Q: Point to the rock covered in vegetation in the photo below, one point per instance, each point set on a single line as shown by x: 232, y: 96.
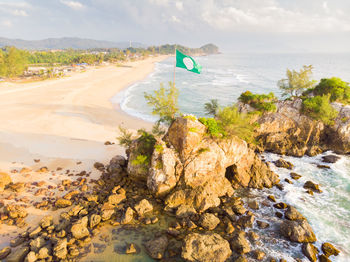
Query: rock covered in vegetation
x: 198, y: 169
x: 209, y: 247
x: 310, y: 251
x: 289, y: 132
x: 329, y: 250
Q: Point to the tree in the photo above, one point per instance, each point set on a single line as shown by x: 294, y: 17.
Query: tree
x: 211, y: 107
x: 15, y: 62
x: 296, y: 82
x: 164, y: 102
x: 2, y: 63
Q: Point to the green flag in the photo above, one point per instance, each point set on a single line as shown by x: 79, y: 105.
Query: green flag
x: 187, y: 62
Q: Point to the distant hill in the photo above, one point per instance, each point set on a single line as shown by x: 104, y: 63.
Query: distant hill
x: 64, y: 43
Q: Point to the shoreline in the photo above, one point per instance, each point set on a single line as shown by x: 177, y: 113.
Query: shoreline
x: 63, y: 124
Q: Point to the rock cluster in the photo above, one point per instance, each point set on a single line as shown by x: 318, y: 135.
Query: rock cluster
x: 287, y: 131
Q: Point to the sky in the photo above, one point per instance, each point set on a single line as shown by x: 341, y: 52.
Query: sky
x: 235, y: 25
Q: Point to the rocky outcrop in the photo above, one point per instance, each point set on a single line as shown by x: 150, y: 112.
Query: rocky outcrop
x: 287, y: 131
x: 190, y: 168
x: 297, y: 231
x: 5, y: 180
x: 210, y: 247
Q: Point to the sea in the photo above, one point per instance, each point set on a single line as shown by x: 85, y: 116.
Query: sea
x: 224, y: 77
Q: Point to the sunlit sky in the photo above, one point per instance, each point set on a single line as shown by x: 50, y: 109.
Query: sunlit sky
x: 237, y: 25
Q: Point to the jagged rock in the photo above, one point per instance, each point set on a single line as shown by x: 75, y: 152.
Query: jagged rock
x: 259, y: 255
x: 18, y: 255
x: 79, y: 229
x: 271, y: 198
x: 310, y: 251
x: 46, y: 221
x: 17, y: 241
x: 283, y: 163
x: 246, y: 221
x: 293, y: 214
x: 60, y: 248
x: 314, y: 187
x: 297, y: 231
x: 94, y: 220
x: 329, y: 250
x: 44, y: 253
x: 118, y: 160
x: 15, y: 211
x: 143, y: 207
x: 185, y: 211
x: 5, y: 252
x: 128, y: 216
x: 287, y: 132
x: 209, y: 221
x: 242, y: 258
x: 5, y: 180
x: 295, y: 176
x: 205, y: 166
x: 35, y: 232
x: 137, y: 171
x: 31, y: 257
x: 262, y: 224
x: 209, y: 247
x: 323, y: 258
x: 37, y: 243
x: 62, y: 203
x: 280, y: 205
x: 237, y: 206
x: 253, y: 204
x: 130, y: 249
x: 115, y: 199
x: 156, y: 247
x: 330, y: 158
x: 240, y: 244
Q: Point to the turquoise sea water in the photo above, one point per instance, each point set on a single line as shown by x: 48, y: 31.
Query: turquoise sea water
x: 225, y: 77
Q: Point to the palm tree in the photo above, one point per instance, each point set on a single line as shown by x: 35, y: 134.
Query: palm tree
x: 211, y: 107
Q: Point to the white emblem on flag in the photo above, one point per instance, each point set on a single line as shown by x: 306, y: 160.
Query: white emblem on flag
x: 188, y: 63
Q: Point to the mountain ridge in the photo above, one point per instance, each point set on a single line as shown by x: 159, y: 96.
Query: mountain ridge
x: 65, y: 43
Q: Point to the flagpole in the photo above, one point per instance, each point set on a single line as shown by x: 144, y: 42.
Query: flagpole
x: 174, y: 65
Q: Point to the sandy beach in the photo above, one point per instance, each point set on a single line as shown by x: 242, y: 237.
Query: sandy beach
x: 64, y: 123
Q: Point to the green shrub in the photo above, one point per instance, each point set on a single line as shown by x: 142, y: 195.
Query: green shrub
x: 338, y: 89
x: 141, y: 160
x: 319, y: 108
x: 190, y: 117
x: 214, y: 130
x: 125, y: 137
x: 261, y: 102
x: 146, y: 141
x: 235, y: 123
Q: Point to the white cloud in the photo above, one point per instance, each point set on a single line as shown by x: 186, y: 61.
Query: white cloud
x: 6, y: 23
x: 269, y: 16
x: 73, y: 4
x: 19, y: 12
x: 179, y: 6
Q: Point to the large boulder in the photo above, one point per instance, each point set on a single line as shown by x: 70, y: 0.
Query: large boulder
x: 157, y: 247
x: 210, y: 247
x: 240, y: 243
x: 79, y: 229
x: 310, y: 251
x: 5, y: 180
x: 197, y: 170
x: 297, y: 231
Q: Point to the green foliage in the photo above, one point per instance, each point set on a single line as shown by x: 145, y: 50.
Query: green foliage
x: 158, y: 130
x: 261, y: 102
x: 141, y: 160
x: 193, y: 129
x: 235, y: 123
x: 203, y: 150
x: 296, y: 82
x: 164, y: 103
x: 213, y: 127
x: 13, y: 62
x: 158, y: 148
x: 338, y: 89
x: 211, y: 107
x: 228, y: 123
x: 319, y: 108
x: 125, y: 137
x: 190, y: 117
x: 147, y: 142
